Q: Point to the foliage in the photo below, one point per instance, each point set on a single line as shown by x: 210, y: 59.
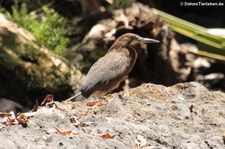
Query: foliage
x: 214, y: 46
x: 49, y: 29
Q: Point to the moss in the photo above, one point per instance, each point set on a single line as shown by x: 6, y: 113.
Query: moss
x: 57, y: 81
x: 9, y: 46
x: 6, y: 59
x: 67, y: 76
x: 10, y: 42
x: 30, y: 48
x: 49, y: 29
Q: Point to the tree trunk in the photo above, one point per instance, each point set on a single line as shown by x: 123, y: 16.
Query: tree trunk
x: 29, y: 71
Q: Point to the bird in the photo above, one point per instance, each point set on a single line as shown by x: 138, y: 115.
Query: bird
x: 110, y: 70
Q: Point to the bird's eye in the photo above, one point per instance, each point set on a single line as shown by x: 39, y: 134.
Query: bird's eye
x: 134, y: 42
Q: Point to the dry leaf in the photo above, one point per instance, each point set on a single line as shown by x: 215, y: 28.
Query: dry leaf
x: 4, y: 114
x: 48, y: 99
x: 76, y: 123
x: 65, y: 133
x: 21, y: 118
x: 35, y: 108
x: 91, y: 103
x: 74, y: 120
x: 84, y: 124
x: 10, y: 119
x: 107, y: 136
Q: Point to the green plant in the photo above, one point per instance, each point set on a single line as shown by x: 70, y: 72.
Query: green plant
x: 211, y: 45
x: 48, y: 28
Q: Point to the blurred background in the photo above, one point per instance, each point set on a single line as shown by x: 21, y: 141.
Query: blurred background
x: 47, y: 46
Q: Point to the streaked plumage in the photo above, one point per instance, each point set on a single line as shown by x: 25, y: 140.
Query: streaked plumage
x: 110, y: 70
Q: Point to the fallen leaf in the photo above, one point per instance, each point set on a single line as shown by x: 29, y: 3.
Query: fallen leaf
x: 107, y: 136
x: 84, y: 124
x: 35, y: 108
x: 48, y: 99
x: 74, y: 120
x: 65, y: 133
x: 4, y: 114
x: 10, y: 119
x: 76, y: 123
x: 52, y: 104
x: 91, y: 103
x: 21, y: 118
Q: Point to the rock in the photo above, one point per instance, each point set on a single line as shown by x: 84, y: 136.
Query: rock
x: 29, y: 71
x: 7, y: 105
x: 185, y: 115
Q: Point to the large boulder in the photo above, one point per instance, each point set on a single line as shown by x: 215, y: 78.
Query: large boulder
x: 185, y: 115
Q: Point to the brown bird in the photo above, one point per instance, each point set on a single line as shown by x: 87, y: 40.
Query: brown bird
x: 110, y: 70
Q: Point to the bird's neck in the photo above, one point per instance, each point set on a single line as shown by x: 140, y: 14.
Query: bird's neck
x: 118, y: 45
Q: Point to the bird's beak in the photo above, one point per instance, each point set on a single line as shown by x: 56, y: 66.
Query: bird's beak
x: 147, y: 40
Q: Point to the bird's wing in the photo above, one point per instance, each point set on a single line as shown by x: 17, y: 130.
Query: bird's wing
x: 110, y: 67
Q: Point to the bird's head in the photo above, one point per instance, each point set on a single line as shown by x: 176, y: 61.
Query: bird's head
x: 130, y: 39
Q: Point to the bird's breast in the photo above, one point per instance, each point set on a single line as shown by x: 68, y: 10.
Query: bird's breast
x: 107, y: 73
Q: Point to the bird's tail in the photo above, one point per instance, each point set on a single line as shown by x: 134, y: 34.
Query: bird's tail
x: 73, y: 97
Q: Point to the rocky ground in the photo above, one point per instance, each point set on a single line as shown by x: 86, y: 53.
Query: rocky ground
x: 147, y: 117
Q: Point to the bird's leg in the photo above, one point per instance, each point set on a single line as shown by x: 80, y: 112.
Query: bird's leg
x: 126, y: 85
x: 73, y: 97
x: 105, y: 97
